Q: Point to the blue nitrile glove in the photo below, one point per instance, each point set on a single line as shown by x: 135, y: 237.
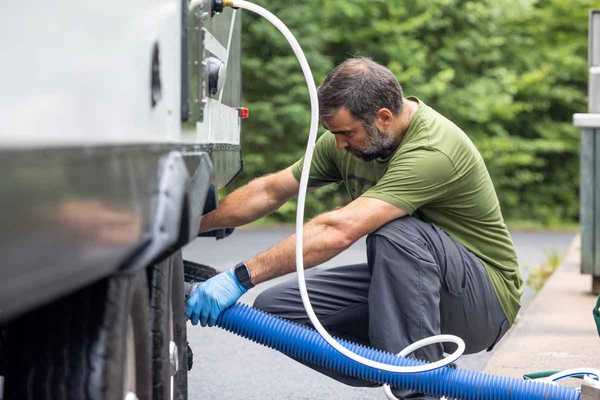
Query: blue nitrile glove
x: 208, y: 299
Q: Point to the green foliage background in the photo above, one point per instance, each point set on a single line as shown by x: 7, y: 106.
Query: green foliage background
x: 510, y: 72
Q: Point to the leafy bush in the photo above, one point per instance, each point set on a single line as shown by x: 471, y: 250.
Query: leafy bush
x: 510, y: 72
x: 540, y: 274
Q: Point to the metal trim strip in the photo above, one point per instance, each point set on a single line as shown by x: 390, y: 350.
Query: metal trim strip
x: 213, y: 45
x: 586, y: 120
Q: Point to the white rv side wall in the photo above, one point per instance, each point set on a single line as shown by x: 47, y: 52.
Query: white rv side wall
x: 78, y: 72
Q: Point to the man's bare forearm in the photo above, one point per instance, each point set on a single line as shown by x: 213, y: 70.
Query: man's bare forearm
x: 322, y: 241
x: 242, y: 206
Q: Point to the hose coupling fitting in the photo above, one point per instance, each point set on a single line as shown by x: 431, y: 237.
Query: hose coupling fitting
x: 219, y: 5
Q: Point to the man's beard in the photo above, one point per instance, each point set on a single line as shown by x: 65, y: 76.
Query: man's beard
x: 379, y: 145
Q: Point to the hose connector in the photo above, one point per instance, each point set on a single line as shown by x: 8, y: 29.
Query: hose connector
x: 217, y: 6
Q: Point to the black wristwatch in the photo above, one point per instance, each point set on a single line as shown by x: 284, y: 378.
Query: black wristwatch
x: 242, y: 273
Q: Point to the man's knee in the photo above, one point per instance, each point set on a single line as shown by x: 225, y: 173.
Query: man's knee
x: 399, y: 246
x: 265, y: 301
x: 402, y: 232
x: 407, y: 225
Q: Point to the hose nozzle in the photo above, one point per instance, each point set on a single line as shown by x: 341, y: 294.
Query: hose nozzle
x: 219, y: 5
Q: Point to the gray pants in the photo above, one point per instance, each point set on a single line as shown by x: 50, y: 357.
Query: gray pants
x: 417, y: 282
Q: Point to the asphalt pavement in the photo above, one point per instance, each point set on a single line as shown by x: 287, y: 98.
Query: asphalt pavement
x: 228, y: 367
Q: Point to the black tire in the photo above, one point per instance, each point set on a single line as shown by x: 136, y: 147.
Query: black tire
x: 180, y: 327
x: 77, y: 348
x: 168, y: 321
x: 194, y: 272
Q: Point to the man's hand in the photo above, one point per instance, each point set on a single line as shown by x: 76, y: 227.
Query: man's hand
x: 210, y: 298
x: 258, y: 198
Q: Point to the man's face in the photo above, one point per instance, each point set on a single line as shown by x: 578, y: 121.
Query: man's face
x: 364, y: 141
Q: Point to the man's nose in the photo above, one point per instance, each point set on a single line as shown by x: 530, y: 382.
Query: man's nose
x: 340, y: 142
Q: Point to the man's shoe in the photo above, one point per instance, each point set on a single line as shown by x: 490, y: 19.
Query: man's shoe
x: 412, y: 395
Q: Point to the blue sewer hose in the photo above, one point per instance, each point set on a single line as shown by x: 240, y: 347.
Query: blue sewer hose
x: 320, y: 349
x: 307, y: 345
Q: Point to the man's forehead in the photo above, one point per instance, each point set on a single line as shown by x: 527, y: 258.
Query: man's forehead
x: 340, y: 120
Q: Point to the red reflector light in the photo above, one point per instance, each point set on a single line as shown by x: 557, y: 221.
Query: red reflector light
x: 244, y: 112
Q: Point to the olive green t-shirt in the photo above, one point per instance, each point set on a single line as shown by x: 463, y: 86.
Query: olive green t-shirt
x: 438, y: 175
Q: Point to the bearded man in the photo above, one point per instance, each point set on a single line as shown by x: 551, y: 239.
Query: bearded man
x: 440, y: 259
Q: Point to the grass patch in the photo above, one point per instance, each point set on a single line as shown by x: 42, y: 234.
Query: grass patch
x: 540, y: 274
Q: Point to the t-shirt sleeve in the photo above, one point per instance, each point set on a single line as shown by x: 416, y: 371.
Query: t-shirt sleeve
x: 416, y: 178
x: 323, y: 169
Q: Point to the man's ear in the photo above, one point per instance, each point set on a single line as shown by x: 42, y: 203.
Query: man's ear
x: 384, y: 118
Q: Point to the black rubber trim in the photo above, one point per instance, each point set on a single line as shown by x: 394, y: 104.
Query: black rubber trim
x: 211, y: 204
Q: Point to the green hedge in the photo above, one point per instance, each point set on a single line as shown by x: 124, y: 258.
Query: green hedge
x: 510, y: 72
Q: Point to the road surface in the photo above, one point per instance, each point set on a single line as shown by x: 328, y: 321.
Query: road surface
x: 228, y: 367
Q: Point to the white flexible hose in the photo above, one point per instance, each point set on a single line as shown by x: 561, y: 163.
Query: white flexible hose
x: 312, y: 136
x: 568, y: 373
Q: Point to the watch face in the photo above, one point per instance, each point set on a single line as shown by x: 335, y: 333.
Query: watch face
x: 241, y: 272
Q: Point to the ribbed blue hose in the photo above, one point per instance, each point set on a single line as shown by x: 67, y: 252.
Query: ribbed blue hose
x: 306, y: 344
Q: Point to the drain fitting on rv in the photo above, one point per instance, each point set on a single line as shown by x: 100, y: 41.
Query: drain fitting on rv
x: 217, y: 6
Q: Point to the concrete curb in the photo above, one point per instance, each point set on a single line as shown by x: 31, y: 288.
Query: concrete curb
x: 556, y: 330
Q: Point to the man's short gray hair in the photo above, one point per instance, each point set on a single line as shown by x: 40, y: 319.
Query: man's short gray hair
x: 363, y: 87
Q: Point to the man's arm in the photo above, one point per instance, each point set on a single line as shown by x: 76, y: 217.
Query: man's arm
x: 252, y: 201
x: 324, y: 237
